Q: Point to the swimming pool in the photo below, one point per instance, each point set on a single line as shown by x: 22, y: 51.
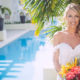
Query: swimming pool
x: 16, y: 54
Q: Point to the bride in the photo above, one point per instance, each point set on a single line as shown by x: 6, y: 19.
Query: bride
x: 67, y: 42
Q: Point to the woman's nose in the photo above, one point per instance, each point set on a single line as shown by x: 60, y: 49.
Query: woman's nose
x: 73, y: 19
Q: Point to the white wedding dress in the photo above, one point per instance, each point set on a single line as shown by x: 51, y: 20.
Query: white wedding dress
x: 67, y: 53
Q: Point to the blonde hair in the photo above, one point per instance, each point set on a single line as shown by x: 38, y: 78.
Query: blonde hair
x: 72, y: 6
x: 76, y: 8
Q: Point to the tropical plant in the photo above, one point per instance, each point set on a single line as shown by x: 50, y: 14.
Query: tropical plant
x: 3, y: 10
x: 51, y: 30
x: 42, y: 11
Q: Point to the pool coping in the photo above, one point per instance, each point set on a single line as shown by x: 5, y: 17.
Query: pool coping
x: 5, y: 42
x: 8, y: 40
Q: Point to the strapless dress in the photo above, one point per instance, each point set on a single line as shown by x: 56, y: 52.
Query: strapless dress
x: 67, y: 53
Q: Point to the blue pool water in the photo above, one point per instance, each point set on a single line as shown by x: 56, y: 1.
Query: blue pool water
x: 20, y: 51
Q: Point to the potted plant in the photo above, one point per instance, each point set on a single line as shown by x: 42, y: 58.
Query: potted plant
x: 22, y: 17
x: 2, y: 12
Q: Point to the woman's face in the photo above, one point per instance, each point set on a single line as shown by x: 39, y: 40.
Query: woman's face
x: 72, y: 18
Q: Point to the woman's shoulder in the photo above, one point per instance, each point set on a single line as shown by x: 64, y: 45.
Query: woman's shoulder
x: 59, y: 34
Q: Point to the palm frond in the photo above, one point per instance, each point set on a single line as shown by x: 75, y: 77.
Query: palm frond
x: 51, y: 30
x: 42, y: 10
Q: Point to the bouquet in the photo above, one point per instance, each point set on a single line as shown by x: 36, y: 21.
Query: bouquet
x: 71, y: 71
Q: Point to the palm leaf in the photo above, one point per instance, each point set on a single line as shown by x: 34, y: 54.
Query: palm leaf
x: 51, y: 30
x: 42, y: 10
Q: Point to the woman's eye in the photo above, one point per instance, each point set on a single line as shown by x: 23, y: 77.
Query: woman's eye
x: 69, y: 16
x: 77, y: 16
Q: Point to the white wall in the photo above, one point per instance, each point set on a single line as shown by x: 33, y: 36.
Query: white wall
x: 14, y: 7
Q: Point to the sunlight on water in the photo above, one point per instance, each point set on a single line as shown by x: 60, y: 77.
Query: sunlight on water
x: 26, y: 58
x: 43, y: 60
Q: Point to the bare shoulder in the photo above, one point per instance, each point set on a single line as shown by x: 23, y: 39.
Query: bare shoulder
x: 58, y: 34
x: 58, y: 37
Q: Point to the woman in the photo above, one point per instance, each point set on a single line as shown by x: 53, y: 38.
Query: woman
x: 67, y: 42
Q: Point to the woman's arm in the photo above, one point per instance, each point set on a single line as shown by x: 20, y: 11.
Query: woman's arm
x: 56, y: 41
x: 56, y: 60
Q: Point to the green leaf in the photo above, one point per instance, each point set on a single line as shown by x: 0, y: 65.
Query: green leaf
x: 41, y: 11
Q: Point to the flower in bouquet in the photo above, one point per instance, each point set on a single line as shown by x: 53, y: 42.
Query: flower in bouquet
x: 71, y: 71
x: 73, y: 74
